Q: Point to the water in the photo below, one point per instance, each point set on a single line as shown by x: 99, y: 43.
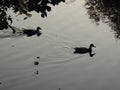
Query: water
x: 65, y: 27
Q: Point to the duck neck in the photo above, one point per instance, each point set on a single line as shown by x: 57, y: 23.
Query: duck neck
x: 90, y: 48
x: 37, y: 30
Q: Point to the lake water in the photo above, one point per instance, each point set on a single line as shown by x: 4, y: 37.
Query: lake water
x: 67, y: 26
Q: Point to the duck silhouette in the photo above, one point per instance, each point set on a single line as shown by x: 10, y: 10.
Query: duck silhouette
x: 84, y: 50
x: 30, y: 32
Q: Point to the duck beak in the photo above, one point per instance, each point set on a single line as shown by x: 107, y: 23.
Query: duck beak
x: 40, y: 28
x: 94, y: 46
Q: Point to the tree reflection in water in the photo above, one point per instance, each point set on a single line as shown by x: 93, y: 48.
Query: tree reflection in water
x: 24, y: 7
x: 107, y: 11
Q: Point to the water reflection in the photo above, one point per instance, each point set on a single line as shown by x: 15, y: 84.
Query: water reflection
x: 24, y: 7
x: 84, y: 50
x: 107, y: 11
x: 37, y: 72
x: 13, y: 46
x: 36, y: 63
x: 38, y: 57
x: 59, y: 89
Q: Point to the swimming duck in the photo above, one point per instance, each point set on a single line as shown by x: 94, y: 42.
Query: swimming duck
x: 30, y: 32
x: 83, y: 50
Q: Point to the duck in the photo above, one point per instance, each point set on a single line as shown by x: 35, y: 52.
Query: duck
x: 30, y: 32
x: 84, y: 50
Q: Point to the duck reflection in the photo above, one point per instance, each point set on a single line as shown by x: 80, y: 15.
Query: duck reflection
x: 107, y: 11
x: 84, y: 50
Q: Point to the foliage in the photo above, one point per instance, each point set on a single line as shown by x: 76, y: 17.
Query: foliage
x: 24, y: 7
x: 107, y: 11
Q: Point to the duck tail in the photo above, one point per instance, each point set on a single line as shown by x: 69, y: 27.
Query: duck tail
x: 75, y: 52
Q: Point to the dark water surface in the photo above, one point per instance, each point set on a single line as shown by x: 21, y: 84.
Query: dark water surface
x: 48, y: 63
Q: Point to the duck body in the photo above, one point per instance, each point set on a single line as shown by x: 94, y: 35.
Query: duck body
x: 83, y: 50
x: 30, y: 32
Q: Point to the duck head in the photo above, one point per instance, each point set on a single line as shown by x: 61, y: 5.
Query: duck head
x: 92, y: 45
x: 38, y: 28
x: 90, y: 50
x: 38, y: 32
